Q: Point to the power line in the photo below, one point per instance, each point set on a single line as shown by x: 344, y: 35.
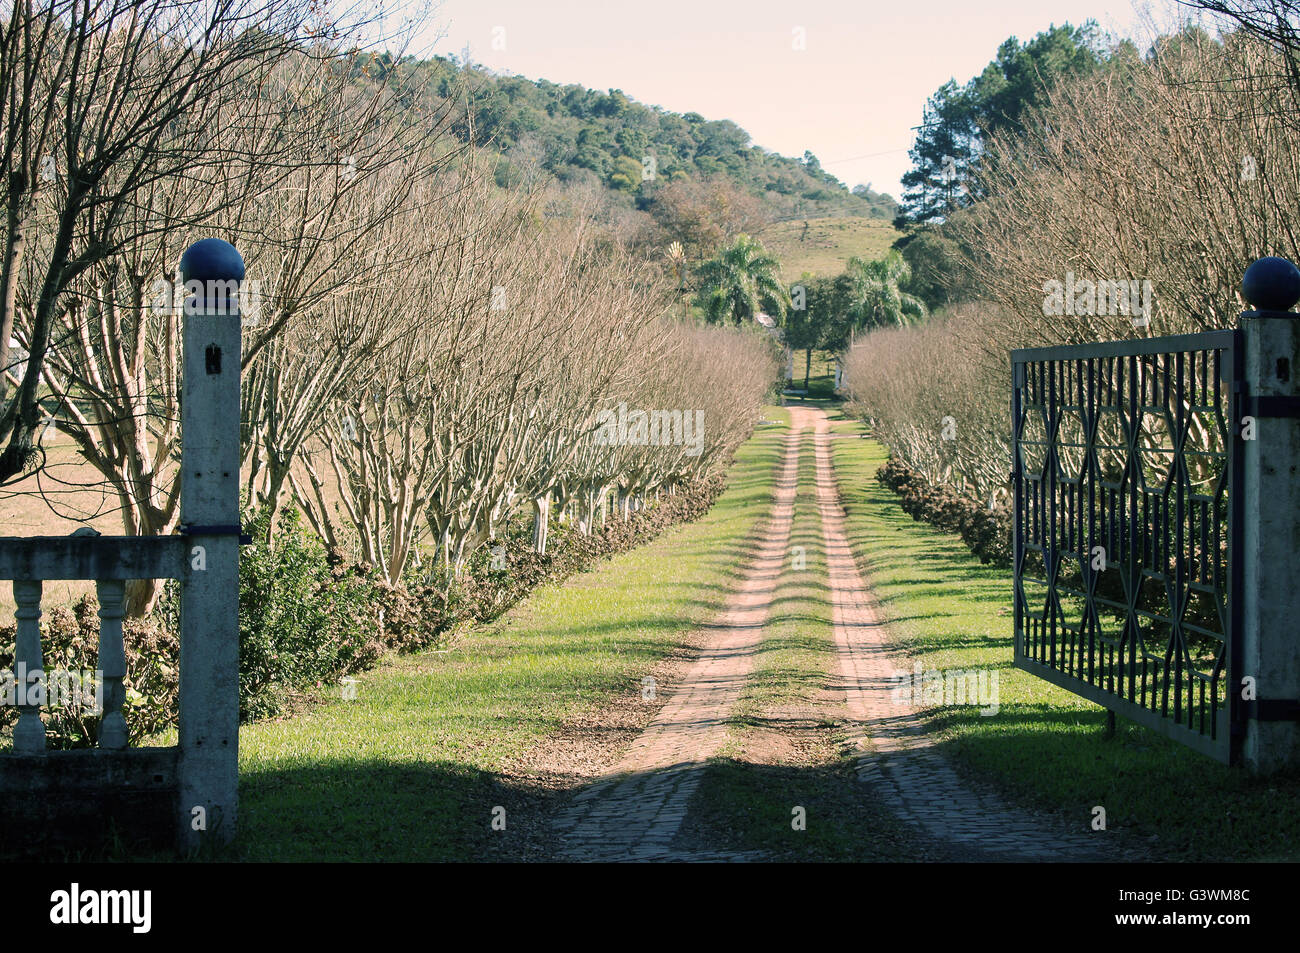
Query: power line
x: 869, y: 155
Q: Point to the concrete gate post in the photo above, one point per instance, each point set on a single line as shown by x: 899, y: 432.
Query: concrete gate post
x: 209, y: 656
x: 1270, y: 534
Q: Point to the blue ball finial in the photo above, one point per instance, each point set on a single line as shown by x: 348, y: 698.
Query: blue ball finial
x: 210, y: 272
x: 211, y: 259
x: 1271, y: 284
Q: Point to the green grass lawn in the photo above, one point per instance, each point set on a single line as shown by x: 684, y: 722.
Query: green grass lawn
x: 827, y: 245
x: 1046, y: 745
x: 786, y: 749
x: 820, y: 375
x: 412, y: 769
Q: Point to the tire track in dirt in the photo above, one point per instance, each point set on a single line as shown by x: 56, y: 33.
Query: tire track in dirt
x: 898, y: 761
x: 637, y: 810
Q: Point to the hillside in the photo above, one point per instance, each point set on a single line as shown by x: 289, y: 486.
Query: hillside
x: 633, y: 149
x: 826, y: 245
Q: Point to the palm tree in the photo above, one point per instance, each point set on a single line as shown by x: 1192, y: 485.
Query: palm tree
x: 878, y: 301
x: 740, y: 282
x: 677, y: 255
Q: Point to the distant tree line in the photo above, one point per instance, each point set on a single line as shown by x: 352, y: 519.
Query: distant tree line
x: 636, y: 150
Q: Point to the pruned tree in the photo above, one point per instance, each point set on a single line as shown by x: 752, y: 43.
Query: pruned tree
x: 110, y: 370
x: 100, y: 105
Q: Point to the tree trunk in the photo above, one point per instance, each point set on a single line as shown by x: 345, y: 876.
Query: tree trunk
x: 277, y: 473
x: 142, y: 595
x: 12, y: 266
x: 541, y: 522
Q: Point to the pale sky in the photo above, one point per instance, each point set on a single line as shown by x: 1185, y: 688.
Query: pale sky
x: 851, y: 95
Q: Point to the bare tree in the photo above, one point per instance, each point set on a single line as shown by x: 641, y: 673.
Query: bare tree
x: 278, y: 169
x: 99, y: 102
x: 1148, y: 187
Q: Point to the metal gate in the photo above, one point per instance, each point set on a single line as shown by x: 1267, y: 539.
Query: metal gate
x: 1127, y: 557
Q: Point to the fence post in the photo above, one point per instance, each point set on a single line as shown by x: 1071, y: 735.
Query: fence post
x: 1270, y: 535
x: 209, y: 612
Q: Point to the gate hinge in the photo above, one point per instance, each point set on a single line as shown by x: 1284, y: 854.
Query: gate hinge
x: 1263, y: 405
x: 1272, y: 709
x: 232, y: 530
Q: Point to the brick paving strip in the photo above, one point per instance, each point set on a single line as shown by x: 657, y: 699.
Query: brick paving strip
x: 635, y: 812
x: 897, y: 759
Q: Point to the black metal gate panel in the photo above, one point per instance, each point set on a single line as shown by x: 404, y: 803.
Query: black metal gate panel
x: 1126, y: 460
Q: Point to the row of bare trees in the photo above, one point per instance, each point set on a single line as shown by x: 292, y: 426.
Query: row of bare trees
x: 425, y: 351
x: 1162, y: 175
x: 497, y: 351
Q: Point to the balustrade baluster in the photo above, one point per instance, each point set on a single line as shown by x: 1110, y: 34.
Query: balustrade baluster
x: 112, y: 662
x: 29, y: 733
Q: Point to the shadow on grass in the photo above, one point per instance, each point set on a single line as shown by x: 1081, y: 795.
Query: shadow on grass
x: 751, y: 808
x: 393, y: 812
x: 1204, y: 811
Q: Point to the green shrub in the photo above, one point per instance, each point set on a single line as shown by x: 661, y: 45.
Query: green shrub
x: 986, y: 532
x: 303, y: 619
x: 70, y: 642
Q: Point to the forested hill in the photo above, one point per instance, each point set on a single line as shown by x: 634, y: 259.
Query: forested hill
x: 578, y: 133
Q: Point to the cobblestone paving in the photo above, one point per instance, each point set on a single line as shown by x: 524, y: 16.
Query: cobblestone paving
x: 636, y: 812
x: 897, y: 762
